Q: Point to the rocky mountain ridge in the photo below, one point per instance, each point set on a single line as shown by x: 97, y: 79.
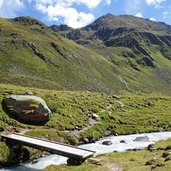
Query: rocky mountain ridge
x: 124, y: 31
x: 131, y: 43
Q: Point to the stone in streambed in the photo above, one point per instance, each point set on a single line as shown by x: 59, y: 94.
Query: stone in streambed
x: 123, y: 141
x: 141, y: 139
x: 107, y: 143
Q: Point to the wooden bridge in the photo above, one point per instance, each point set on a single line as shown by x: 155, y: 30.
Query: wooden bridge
x: 69, y: 151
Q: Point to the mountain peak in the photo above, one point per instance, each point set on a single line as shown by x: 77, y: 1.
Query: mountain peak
x: 61, y: 27
x: 108, y: 15
x: 27, y: 20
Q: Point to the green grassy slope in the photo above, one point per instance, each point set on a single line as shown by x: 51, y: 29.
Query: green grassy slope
x: 33, y: 55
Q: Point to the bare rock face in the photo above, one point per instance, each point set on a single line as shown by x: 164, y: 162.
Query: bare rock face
x: 26, y: 108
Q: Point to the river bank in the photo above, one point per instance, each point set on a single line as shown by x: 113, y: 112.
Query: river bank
x: 119, y: 144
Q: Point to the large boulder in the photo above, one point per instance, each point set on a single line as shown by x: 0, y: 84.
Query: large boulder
x: 26, y: 108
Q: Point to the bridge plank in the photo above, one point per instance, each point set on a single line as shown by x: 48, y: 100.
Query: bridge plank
x: 53, y: 147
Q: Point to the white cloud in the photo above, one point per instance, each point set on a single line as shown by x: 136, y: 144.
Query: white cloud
x: 152, y: 19
x: 155, y: 3
x: 166, y: 14
x: 89, y: 3
x: 1, y: 3
x: 8, y: 8
x: 71, y: 16
x: 139, y: 15
x: 108, y: 2
x: 132, y: 6
x: 64, y: 10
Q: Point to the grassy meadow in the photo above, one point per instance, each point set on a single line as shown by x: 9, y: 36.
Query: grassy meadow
x: 123, y: 114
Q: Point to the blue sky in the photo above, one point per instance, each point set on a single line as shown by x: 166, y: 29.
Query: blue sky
x: 78, y: 13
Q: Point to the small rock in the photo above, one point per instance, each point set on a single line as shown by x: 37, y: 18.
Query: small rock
x: 134, y: 149
x: 160, y: 164
x: 116, y: 97
x: 94, y: 161
x: 160, y: 148
x: 150, y: 104
x: 76, y: 127
x: 151, y: 147
x: 132, y: 159
x: 95, y: 116
x: 168, y: 147
x: 29, y: 93
x: 92, y: 140
x: 151, y: 162
x: 142, y: 139
x: 168, y: 158
x: 34, y: 161
x: 74, y: 162
x: 86, y: 140
x: 121, y: 104
x: 107, y: 143
x: 153, y: 167
x: 122, y: 141
x: 166, y: 154
x: 107, y: 133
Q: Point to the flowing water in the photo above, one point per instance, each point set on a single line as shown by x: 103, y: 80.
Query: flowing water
x: 119, y: 144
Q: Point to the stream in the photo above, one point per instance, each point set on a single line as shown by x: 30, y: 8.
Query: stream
x: 119, y: 144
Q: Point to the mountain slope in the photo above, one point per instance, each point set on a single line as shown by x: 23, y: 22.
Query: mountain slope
x: 33, y: 55
x: 139, y: 49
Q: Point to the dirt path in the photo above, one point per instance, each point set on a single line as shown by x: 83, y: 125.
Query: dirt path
x: 23, y: 131
x: 105, y: 164
x: 111, y: 166
x: 91, y: 122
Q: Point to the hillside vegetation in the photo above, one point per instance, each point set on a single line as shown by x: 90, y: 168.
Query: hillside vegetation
x: 128, y: 56
x: 33, y: 55
x: 139, y: 49
x: 73, y: 111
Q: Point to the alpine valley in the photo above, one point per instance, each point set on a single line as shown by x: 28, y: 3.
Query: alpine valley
x: 112, y: 77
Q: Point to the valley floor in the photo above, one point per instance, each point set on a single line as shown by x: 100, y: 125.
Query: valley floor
x: 91, y: 116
